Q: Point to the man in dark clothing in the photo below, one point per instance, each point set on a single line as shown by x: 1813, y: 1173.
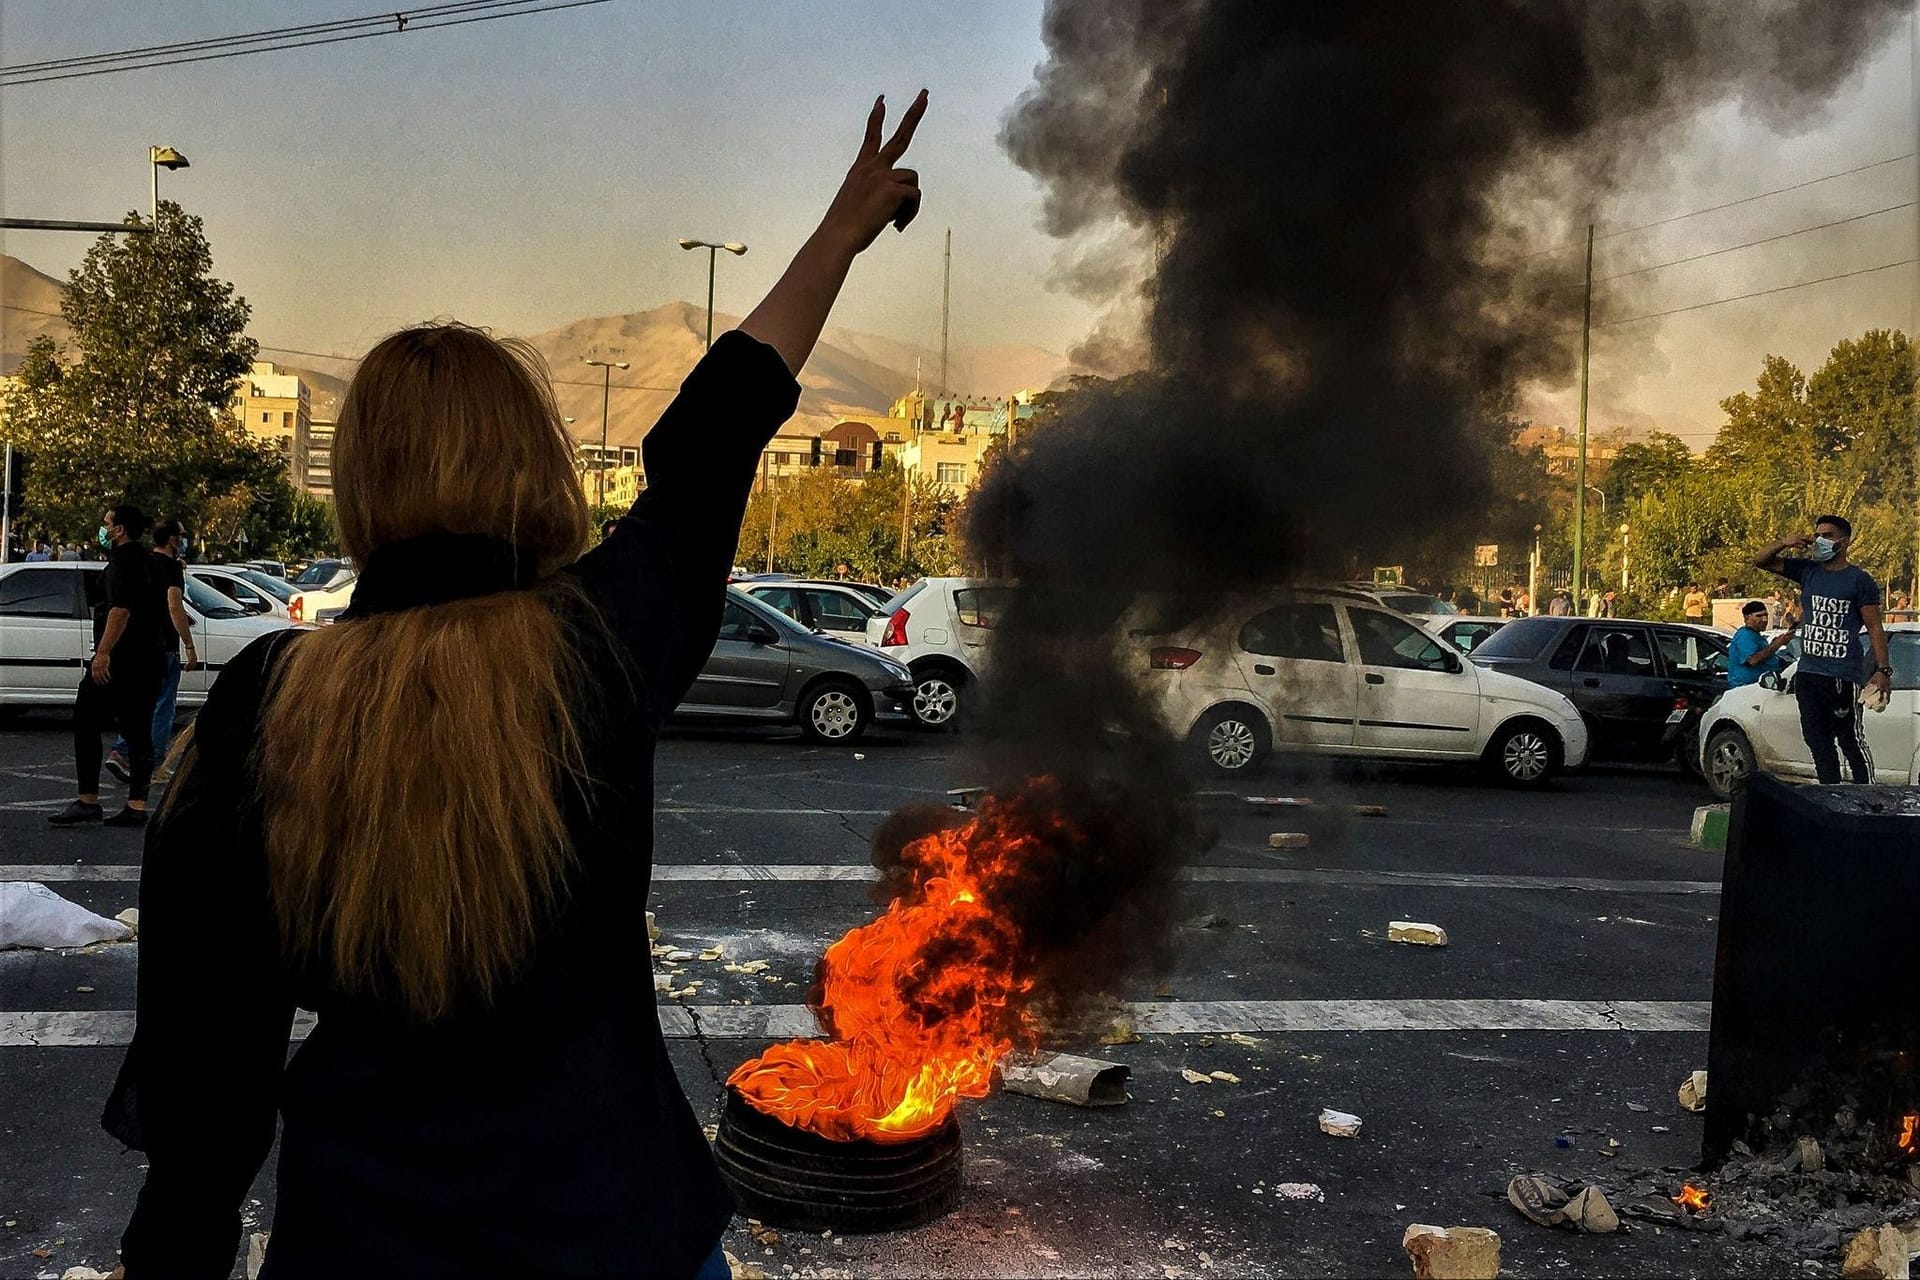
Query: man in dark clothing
x: 1837, y: 600
x: 176, y: 633
x: 123, y: 680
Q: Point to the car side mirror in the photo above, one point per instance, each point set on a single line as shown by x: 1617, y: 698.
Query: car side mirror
x: 1454, y: 665
x: 761, y: 633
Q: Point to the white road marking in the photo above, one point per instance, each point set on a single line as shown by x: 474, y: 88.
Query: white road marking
x: 112, y: 1028
x: 835, y: 873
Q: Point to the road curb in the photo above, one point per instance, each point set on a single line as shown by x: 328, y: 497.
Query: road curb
x: 1710, y: 827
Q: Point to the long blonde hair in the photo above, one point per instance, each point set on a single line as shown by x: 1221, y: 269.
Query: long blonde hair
x: 413, y: 763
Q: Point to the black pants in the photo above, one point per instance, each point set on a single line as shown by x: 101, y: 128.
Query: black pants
x: 126, y: 703
x: 1830, y: 715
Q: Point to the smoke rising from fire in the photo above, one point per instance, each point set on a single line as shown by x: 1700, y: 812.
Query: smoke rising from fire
x: 1345, y: 203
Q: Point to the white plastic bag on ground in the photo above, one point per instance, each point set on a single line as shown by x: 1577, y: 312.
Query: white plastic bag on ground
x: 32, y: 915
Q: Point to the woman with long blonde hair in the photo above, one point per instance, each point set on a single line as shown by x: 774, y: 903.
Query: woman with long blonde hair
x: 431, y: 825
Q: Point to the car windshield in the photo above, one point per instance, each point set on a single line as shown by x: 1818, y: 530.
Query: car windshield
x: 899, y: 601
x: 1522, y: 638
x: 1415, y: 603
x: 279, y: 588
x: 317, y: 573
x: 209, y: 603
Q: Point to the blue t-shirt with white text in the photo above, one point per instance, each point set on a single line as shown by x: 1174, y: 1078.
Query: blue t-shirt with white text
x: 1830, y: 602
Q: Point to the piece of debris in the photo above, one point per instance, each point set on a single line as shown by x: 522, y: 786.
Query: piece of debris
x: 87, y: 991
x: 1538, y: 1200
x: 1065, y: 1077
x: 1121, y: 1032
x: 744, y: 1270
x: 859, y: 755
x: 653, y: 928
x: 1195, y: 1077
x: 1590, y: 1212
x: 1210, y: 920
x: 1659, y: 1128
x: 85, y: 1273
x: 1806, y: 1154
x: 1878, y: 1253
x: 1637, y: 1106
x: 965, y: 797
x: 130, y: 917
x: 1693, y: 1092
x: 1288, y: 840
x: 679, y: 955
x: 32, y: 915
x: 1370, y: 810
x: 1420, y: 935
x: 1339, y: 1124
x: 257, y: 1253
x: 713, y: 953
x: 1285, y: 802
x: 1225, y: 1077
x: 662, y: 983
x: 1452, y: 1253
x: 1237, y: 1037
x: 750, y: 966
x: 1613, y: 1147
x: 1301, y: 1191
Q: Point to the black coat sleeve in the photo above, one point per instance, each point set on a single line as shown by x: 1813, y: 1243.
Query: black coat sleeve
x: 660, y: 577
x: 199, y: 1088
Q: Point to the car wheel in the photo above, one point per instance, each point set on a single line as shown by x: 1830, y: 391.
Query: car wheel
x: 936, y: 698
x: 1729, y: 759
x: 1525, y: 754
x: 833, y: 713
x: 1234, y: 741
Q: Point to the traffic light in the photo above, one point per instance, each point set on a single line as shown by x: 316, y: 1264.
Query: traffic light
x: 16, y: 479
x: 814, y: 461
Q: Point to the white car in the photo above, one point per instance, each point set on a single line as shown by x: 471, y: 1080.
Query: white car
x: 1758, y: 726
x: 1464, y: 632
x: 829, y: 607
x: 1328, y: 673
x: 258, y: 593
x: 321, y: 605
x: 46, y: 631
x: 940, y: 627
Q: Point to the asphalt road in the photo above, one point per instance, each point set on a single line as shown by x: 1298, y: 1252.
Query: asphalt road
x: 1574, y: 989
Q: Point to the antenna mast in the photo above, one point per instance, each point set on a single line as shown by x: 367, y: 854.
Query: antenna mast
x: 946, y: 291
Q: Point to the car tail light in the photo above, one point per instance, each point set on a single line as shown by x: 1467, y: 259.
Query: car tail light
x: 1681, y: 704
x: 896, y: 633
x: 297, y: 608
x: 1171, y: 658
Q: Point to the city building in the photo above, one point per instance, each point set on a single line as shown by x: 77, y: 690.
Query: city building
x: 320, y: 458
x: 277, y: 406
x: 1562, y: 448
x: 611, y: 477
x: 943, y: 438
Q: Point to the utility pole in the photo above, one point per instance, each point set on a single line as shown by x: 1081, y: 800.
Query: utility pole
x: 1580, y: 465
x: 6, y: 505
x: 946, y: 294
x: 906, y: 514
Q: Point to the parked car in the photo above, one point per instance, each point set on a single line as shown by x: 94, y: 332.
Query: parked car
x: 258, y: 593
x: 321, y: 605
x: 1641, y: 687
x: 1327, y: 673
x: 939, y: 627
x: 1407, y: 600
x: 324, y: 575
x: 1757, y: 726
x: 766, y: 668
x: 272, y: 568
x: 836, y: 608
x: 46, y: 631
x: 1464, y: 632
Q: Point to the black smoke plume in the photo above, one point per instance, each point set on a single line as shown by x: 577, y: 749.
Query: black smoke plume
x: 1342, y: 203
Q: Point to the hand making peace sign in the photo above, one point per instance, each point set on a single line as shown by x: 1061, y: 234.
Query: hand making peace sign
x: 875, y: 191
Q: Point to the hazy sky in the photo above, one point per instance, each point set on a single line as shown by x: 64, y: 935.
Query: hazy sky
x: 526, y: 172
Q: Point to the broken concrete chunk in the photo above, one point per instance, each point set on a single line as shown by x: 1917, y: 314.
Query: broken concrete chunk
x: 1693, y: 1092
x: 1121, y: 1032
x: 130, y: 917
x: 662, y: 982
x: 1194, y: 1077
x: 1452, y: 1253
x: 713, y: 953
x: 744, y: 1270
x: 1225, y: 1077
x: 1806, y: 1154
x: 1066, y: 1077
x: 1420, y: 935
x: 1288, y: 840
x: 1878, y: 1253
x: 653, y: 928
x: 1283, y: 802
x: 1340, y: 1124
x: 679, y: 956
x: 1370, y: 810
x: 85, y: 1273
x: 257, y: 1253
x: 1301, y: 1191
x: 1590, y: 1212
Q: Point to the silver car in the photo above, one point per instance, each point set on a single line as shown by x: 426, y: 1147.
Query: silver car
x: 768, y: 669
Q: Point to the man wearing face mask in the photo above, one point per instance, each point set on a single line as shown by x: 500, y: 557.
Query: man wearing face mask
x: 1837, y: 599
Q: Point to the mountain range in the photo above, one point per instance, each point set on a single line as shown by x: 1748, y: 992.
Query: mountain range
x: 849, y: 372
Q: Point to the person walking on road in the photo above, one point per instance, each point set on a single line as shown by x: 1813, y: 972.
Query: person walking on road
x: 1750, y: 654
x: 123, y: 680
x: 446, y: 871
x: 176, y: 637
x: 1837, y: 600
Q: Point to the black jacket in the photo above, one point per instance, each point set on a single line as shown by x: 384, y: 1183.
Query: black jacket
x: 540, y: 1135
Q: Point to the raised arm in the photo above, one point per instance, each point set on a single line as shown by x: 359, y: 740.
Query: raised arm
x: 876, y: 192
x: 1772, y: 560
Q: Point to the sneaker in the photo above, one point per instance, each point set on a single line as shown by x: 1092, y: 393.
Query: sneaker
x: 117, y: 766
x: 127, y: 818
x: 75, y: 814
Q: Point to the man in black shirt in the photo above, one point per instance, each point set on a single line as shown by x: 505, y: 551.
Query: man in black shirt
x: 176, y: 634
x: 123, y: 680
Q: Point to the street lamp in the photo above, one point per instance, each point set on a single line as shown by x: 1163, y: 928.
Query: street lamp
x: 606, y: 390
x: 1626, y: 550
x: 159, y: 158
x: 733, y: 247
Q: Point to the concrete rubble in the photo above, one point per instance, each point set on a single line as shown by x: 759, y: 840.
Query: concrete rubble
x: 1416, y: 933
x: 1693, y: 1091
x: 1452, y: 1253
x: 1339, y: 1124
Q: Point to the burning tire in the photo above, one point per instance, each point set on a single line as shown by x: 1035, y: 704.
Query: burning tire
x: 1525, y: 753
x: 833, y: 713
x: 788, y: 1177
x: 1234, y: 741
x: 1729, y: 759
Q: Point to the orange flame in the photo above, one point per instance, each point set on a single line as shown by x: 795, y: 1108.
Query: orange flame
x: 1909, y: 1142
x: 1692, y: 1198
x: 923, y: 1001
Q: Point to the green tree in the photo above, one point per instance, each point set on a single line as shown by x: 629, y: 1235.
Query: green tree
x: 1644, y: 466
x: 822, y: 518
x: 138, y: 406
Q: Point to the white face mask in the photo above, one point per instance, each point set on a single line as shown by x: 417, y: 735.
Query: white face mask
x: 1823, y: 549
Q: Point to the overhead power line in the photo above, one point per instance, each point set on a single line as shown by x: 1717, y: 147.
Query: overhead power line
x: 426, y: 19
x: 1731, y: 204
x: 1733, y: 248
x: 1757, y: 293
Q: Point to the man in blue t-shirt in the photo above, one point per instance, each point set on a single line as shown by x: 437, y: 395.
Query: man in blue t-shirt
x: 1750, y: 654
x: 1837, y: 599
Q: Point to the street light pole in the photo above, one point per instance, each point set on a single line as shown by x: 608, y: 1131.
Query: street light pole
x: 159, y: 158
x: 733, y: 247
x: 606, y: 394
